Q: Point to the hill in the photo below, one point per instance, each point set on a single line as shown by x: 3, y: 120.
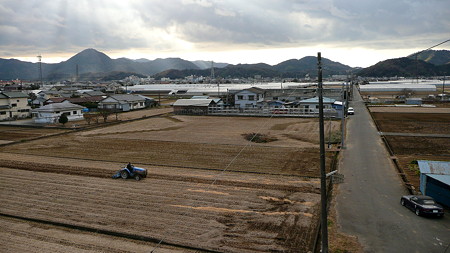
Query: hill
x: 404, y: 67
x: 428, y: 63
x: 436, y: 57
x: 290, y: 68
x: 88, y: 61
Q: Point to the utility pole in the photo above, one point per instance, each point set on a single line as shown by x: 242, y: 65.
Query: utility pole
x: 323, y: 177
x: 342, y: 117
x: 443, y: 84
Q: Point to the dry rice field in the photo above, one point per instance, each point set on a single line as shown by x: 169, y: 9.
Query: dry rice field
x: 208, y: 188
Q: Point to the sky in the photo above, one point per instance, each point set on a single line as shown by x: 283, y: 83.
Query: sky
x: 358, y: 33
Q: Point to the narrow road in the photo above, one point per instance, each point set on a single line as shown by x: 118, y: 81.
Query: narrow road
x: 368, y: 200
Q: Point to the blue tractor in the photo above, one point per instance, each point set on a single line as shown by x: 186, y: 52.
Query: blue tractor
x: 131, y: 171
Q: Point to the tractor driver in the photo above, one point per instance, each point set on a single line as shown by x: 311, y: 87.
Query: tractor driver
x: 130, y: 167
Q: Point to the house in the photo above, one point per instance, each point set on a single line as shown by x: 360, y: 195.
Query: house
x: 312, y: 104
x: 14, y: 105
x: 93, y: 93
x: 50, y: 113
x: 249, y: 97
x: 124, y: 102
x: 435, y: 180
x: 192, y: 106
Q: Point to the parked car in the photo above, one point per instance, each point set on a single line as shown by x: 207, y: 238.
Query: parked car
x: 422, y: 205
x: 350, y: 111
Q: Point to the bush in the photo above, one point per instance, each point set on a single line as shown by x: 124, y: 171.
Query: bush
x: 259, y: 138
x: 63, y: 119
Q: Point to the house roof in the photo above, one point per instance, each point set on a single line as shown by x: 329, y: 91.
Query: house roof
x: 94, y: 93
x: 256, y: 90
x: 434, y: 167
x: 55, y: 100
x: 193, y: 102
x: 127, y: 98
x: 199, y: 97
x: 66, y: 106
x: 315, y: 100
x: 15, y: 94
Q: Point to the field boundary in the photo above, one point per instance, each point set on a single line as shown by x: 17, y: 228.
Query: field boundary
x: 73, y: 130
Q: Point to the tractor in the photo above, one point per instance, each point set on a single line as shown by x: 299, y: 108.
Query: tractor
x: 131, y: 171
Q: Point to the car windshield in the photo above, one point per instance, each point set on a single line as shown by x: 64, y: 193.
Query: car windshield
x: 428, y: 202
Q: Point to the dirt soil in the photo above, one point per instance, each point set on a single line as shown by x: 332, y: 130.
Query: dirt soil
x: 10, y: 134
x: 47, y: 238
x: 429, y: 123
x: 207, y: 187
x: 195, y: 142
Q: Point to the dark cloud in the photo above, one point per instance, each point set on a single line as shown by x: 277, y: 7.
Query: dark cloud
x: 58, y: 26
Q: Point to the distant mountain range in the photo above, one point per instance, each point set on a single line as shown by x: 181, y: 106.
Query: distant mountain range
x: 95, y: 65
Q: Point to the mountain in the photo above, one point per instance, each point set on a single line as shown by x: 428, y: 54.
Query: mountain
x: 308, y: 65
x: 289, y: 68
x: 207, y: 64
x: 88, y: 61
x: 436, y: 57
x: 428, y: 63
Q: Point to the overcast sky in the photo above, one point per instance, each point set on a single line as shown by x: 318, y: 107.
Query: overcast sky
x: 353, y: 32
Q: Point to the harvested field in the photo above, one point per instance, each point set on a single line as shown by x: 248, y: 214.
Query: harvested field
x: 12, y: 133
x: 403, y: 145
x: 195, y: 142
x: 47, y: 238
x: 429, y: 123
x: 415, y: 120
x: 215, y: 217
x: 208, y: 187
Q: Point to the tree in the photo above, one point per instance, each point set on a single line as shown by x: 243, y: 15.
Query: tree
x: 63, y: 119
x: 105, y: 113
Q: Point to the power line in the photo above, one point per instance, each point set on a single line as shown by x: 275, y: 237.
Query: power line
x: 228, y: 165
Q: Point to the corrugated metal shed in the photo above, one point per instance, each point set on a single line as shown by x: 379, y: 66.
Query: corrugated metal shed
x: 193, y: 102
x: 442, y: 178
x: 434, y: 167
x: 435, y: 180
x: 397, y: 87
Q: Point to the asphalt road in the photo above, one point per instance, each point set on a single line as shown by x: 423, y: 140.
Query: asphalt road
x: 368, y: 202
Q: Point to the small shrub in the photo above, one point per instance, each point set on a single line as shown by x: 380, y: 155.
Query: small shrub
x: 259, y: 138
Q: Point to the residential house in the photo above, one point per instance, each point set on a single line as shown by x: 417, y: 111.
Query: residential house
x: 123, y: 102
x: 249, y: 97
x: 14, y: 105
x: 312, y: 104
x: 50, y: 113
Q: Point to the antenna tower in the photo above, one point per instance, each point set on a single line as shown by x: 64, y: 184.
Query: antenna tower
x: 212, y: 71
x: 40, y: 68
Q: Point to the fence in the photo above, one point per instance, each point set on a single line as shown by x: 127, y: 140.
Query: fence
x: 271, y: 112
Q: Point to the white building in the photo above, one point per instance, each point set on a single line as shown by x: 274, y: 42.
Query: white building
x: 249, y: 97
x: 14, y: 105
x: 125, y: 102
x: 50, y: 113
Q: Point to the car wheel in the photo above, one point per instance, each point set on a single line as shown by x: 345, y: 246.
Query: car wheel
x: 402, y: 202
x: 417, y: 212
x: 124, y: 174
x: 137, y: 177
